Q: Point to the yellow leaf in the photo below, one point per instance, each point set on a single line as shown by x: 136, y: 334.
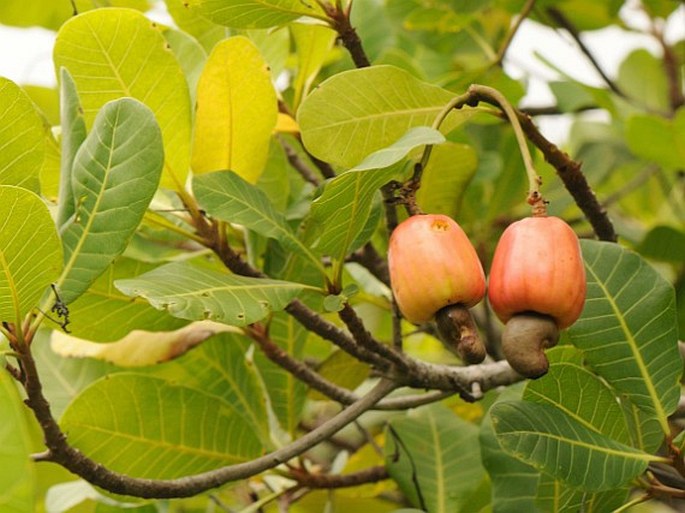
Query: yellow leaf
x: 140, y: 348
x: 236, y: 111
x: 286, y: 124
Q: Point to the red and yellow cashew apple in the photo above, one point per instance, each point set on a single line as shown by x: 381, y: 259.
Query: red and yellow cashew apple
x: 537, y: 287
x: 435, y: 272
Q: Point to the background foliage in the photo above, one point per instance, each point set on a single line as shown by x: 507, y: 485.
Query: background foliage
x: 193, y: 239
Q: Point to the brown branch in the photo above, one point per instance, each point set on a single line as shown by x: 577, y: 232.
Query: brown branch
x: 60, y: 452
x: 574, y: 180
x: 332, y: 481
x: 335, y: 392
x: 525, y: 11
x: 297, y: 163
x: 560, y: 19
x: 340, y: 22
x: 365, y: 339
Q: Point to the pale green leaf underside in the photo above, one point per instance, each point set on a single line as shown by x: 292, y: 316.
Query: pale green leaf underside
x: 553, y: 495
x: 17, y: 471
x: 628, y: 328
x: 413, y: 138
x: 113, y: 53
x: 560, y: 446
x: 116, y: 173
x: 445, y: 454
x: 228, y: 197
x: 357, y: 112
x: 22, y: 143
x: 148, y: 427
x: 30, y: 253
x: 194, y: 293
x: 73, y: 127
x: 255, y: 13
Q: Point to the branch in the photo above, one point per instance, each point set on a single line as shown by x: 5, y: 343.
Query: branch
x: 60, y: 452
x: 335, y: 392
x: 559, y: 18
x: 525, y: 11
x: 574, y: 180
x: 332, y: 481
x: 297, y: 163
x: 340, y: 22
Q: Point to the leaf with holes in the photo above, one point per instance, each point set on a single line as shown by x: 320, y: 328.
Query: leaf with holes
x: 148, y: 427
x: 357, y: 112
x: 627, y: 330
x: 104, y: 314
x: 194, y: 293
x: 559, y: 445
x: 22, y: 144
x: 113, y: 53
x: 30, y: 253
x: 116, y: 173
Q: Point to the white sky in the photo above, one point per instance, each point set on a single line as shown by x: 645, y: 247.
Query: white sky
x: 26, y: 56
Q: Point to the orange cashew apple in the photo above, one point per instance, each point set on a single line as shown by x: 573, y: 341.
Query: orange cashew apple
x: 435, y: 273
x: 537, y: 287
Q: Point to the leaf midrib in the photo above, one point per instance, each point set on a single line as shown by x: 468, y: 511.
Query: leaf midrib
x: 646, y: 377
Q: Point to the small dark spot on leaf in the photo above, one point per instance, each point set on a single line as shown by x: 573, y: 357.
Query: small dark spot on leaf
x: 240, y: 316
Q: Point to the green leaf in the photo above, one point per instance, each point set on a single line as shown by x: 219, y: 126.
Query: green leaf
x: 344, y: 370
x: 556, y: 496
x: 413, y: 138
x: 627, y: 330
x: 575, y: 391
x: 286, y: 393
x: 64, y: 378
x: 437, y: 453
x: 73, y: 128
x: 222, y: 367
x: 104, y: 314
x: 642, y: 76
x: 116, y: 173
x: 190, y: 55
x: 443, y: 183
x: 514, y: 483
x: 30, y: 254
x: 17, y: 471
x: 148, y: 427
x: 22, y: 139
x: 663, y: 243
x: 357, y: 112
x: 557, y: 444
x: 192, y: 22
x: 255, y: 13
x: 190, y: 292
x: 313, y: 44
x: 236, y: 111
x: 112, y: 53
x: 228, y: 197
x: 658, y: 139
x: 339, y: 215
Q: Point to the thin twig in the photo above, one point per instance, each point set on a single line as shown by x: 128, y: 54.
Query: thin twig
x: 566, y: 24
x: 525, y: 11
x: 333, y: 481
x: 297, y: 163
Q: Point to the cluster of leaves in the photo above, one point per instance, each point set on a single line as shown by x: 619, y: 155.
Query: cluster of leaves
x: 173, y: 199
